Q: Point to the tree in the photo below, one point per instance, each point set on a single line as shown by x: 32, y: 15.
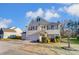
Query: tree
x: 68, y: 34
x: 70, y: 26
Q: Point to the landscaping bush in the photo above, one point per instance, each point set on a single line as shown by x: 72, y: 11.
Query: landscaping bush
x: 44, y: 40
x: 48, y: 41
x: 18, y: 37
x: 77, y: 37
x: 57, y: 38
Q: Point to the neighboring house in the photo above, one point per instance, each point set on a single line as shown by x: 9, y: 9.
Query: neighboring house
x: 18, y: 31
x: 38, y: 26
x: 7, y: 33
x: 10, y: 32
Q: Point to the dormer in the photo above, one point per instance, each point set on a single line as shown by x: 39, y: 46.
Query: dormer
x: 38, y: 19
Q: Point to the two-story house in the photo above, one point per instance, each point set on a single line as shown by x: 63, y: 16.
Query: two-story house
x: 39, y: 25
x: 10, y: 32
x: 7, y: 33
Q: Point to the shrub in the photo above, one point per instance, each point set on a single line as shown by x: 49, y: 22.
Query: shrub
x: 48, y: 41
x: 57, y: 39
x: 18, y: 37
x: 77, y: 37
x: 44, y: 40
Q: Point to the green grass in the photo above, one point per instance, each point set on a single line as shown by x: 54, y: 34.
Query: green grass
x: 72, y: 40
x: 9, y: 39
x: 75, y: 41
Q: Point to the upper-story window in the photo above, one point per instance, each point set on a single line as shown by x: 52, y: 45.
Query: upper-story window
x: 52, y: 26
x: 43, y: 27
x: 47, y: 27
x: 38, y: 19
x: 32, y: 28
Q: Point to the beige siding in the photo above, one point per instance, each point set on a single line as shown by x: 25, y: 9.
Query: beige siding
x: 7, y: 34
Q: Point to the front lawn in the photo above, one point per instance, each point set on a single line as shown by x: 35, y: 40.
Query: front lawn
x: 9, y: 39
x: 76, y: 41
x: 72, y: 40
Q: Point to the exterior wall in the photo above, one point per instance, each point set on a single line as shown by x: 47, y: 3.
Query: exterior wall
x: 32, y: 37
x: 53, y: 32
x: 8, y: 34
x: 18, y: 31
x: 1, y: 36
x: 23, y: 36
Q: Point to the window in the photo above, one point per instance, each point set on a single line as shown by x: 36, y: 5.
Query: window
x: 36, y: 27
x: 33, y: 28
x: 38, y: 19
x: 52, y: 26
x: 47, y: 28
x: 44, y: 27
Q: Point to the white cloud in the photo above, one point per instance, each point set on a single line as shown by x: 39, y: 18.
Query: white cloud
x: 34, y: 14
x: 50, y: 14
x: 46, y: 14
x: 63, y: 9
x: 4, y: 22
x: 73, y: 9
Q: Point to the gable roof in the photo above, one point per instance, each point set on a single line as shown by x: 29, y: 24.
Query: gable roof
x: 9, y: 30
x: 42, y: 22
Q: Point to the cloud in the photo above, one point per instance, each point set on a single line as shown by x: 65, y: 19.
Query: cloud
x: 73, y: 9
x: 34, y: 14
x: 46, y: 14
x: 63, y: 9
x: 50, y: 14
x: 4, y: 22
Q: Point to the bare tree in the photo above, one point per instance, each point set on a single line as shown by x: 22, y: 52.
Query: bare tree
x: 68, y: 33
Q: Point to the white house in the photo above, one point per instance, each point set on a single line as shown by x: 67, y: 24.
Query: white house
x: 10, y: 32
x: 18, y: 30
x: 39, y: 25
x: 7, y: 33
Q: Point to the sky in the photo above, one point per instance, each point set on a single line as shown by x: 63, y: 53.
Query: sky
x: 19, y: 14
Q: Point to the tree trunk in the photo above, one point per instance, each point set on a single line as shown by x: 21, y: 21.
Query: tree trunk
x: 68, y: 42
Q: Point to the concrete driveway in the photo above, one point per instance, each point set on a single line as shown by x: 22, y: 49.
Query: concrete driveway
x: 12, y: 48
x: 18, y: 47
